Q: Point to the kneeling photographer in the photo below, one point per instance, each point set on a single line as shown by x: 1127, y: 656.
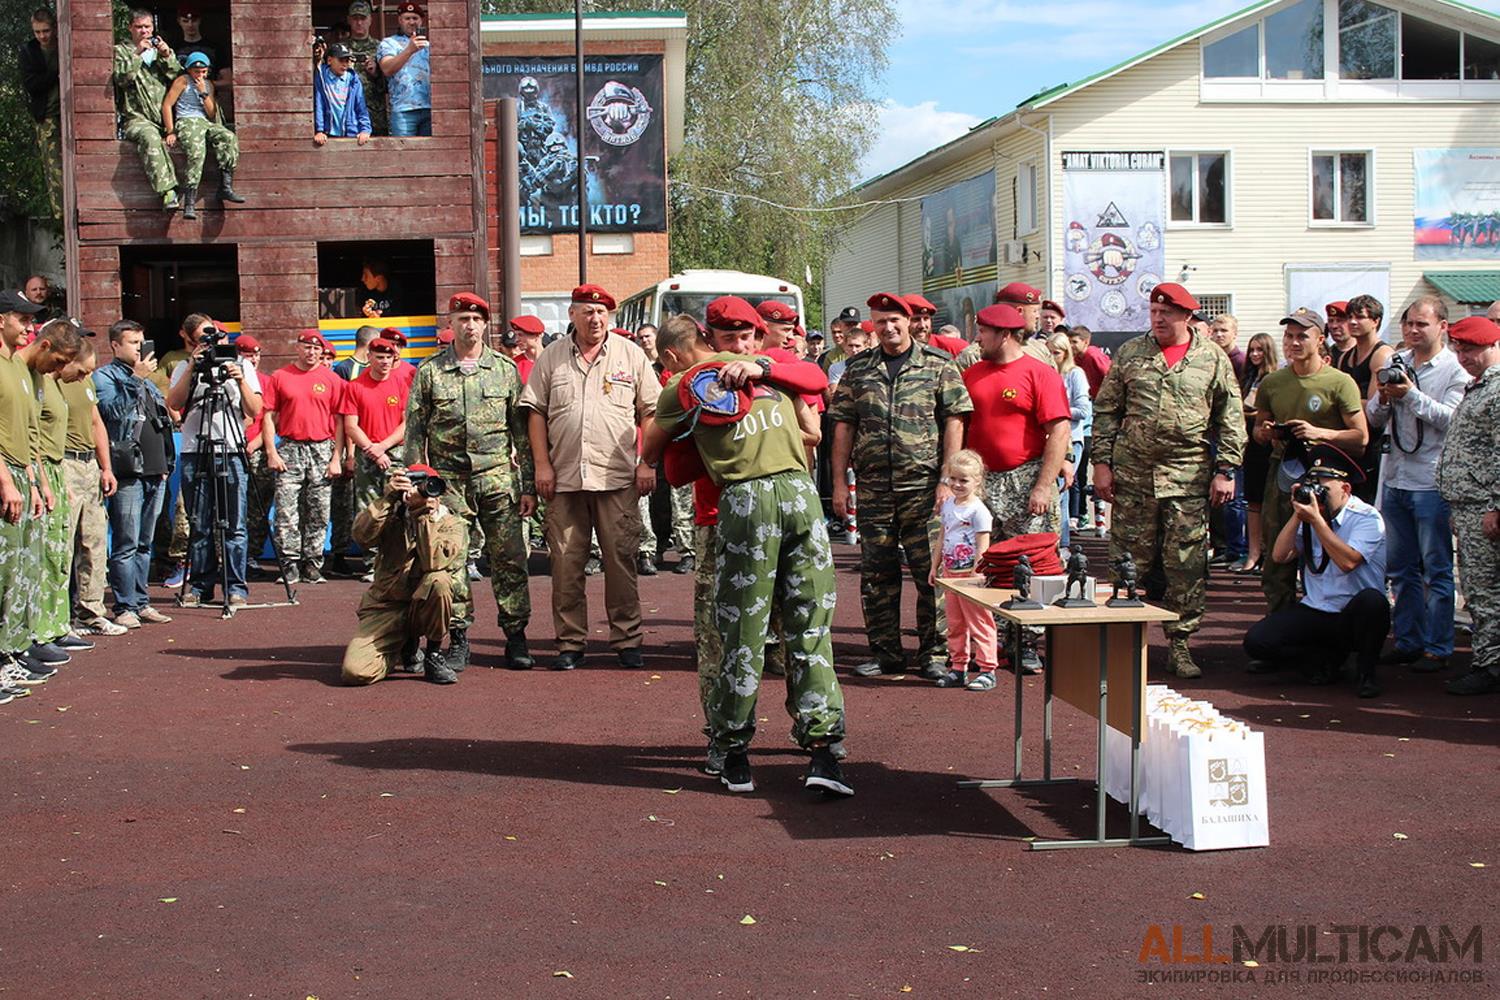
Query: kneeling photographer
x: 216, y: 395
x: 421, y: 550
x: 1339, y: 541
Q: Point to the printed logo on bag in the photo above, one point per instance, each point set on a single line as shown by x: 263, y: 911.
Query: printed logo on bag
x: 1229, y: 782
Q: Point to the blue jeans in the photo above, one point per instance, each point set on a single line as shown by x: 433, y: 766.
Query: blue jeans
x: 132, y: 528
x: 1064, y: 503
x: 1236, y: 517
x: 203, y: 554
x: 415, y: 122
x: 1419, y: 564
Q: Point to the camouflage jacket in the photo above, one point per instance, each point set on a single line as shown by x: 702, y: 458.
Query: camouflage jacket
x: 1469, y: 469
x: 898, y: 427
x: 469, y: 423
x: 408, y: 547
x: 1155, y: 425
x: 142, y: 88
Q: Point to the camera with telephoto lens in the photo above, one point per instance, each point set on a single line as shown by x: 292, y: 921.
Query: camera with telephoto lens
x: 1310, y: 491
x: 427, y: 484
x: 1398, y: 371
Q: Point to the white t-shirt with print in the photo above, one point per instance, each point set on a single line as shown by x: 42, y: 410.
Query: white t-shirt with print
x: 962, y: 525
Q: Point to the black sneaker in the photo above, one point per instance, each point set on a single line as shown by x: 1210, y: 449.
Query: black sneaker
x: 825, y: 775
x: 593, y: 567
x: 736, y: 774
x: 1474, y: 682
x: 35, y: 668
x: 685, y: 565
x: 411, y: 657
x: 73, y: 643
x: 435, y: 665
x: 518, y: 653
x: 644, y: 566
x: 458, y: 649
x: 951, y: 679
x: 1031, y: 663
x: 630, y: 658
x: 16, y: 692
x: 713, y: 762
x: 49, y: 653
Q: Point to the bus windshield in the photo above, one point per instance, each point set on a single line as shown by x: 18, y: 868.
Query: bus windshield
x: 695, y: 304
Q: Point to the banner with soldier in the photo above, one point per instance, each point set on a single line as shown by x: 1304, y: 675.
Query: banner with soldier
x: 623, y: 142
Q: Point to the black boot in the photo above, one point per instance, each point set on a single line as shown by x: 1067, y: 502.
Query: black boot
x: 458, y: 649
x: 517, y: 653
x: 435, y: 664
x: 189, y: 201
x: 411, y: 656
x: 226, y: 188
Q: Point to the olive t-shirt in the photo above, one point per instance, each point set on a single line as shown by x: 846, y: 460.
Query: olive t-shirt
x: 1322, y: 398
x: 17, y: 411
x: 53, y: 416
x: 82, y: 404
x: 767, y: 440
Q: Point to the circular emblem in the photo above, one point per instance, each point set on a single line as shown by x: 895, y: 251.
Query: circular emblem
x: 1146, y: 284
x: 319, y: 387
x: 1077, y: 239
x: 1148, y: 237
x: 619, y: 113
x: 711, y: 395
x: 1111, y: 258
x: 1008, y: 394
x: 1113, y: 303
x: 392, y: 401
x: 1314, y: 403
x: 1078, y: 287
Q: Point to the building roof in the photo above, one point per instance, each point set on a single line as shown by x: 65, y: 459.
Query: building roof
x: 1468, y: 287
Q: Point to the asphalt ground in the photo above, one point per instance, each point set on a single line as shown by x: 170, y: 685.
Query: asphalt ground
x: 199, y: 810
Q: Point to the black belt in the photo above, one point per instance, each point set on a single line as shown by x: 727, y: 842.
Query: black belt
x: 81, y: 456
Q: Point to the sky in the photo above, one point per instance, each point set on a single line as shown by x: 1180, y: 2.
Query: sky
x: 957, y: 62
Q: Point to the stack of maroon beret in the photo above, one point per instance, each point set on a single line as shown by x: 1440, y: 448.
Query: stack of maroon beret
x: 999, y: 560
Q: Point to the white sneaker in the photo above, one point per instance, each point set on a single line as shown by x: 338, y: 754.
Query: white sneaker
x: 99, y: 626
x: 15, y: 675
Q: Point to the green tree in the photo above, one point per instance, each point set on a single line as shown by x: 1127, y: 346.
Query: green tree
x: 22, y: 189
x: 778, y: 99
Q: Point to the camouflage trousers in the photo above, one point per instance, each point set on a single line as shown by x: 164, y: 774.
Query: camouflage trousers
x: 197, y: 135
x: 891, y: 524
x: 706, y: 637
x: 54, y: 553
x: 1168, y: 539
x: 1007, y: 495
x: 302, y: 496
x: 20, y: 574
x: 368, y: 483
x: 1481, y: 582
x: 773, y: 544
x: 152, y: 150
x: 535, y: 526
x: 341, y: 509
x: 488, y: 501
x: 87, y: 535
x: 259, y: 495
x: 1278, y: 581
x: 385, y: 627
x: 49, y: 146
x: 683, y: 530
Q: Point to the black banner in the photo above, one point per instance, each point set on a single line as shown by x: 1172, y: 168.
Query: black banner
x: 623, y: 140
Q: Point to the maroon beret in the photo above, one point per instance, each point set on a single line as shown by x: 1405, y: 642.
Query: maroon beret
x: 886, y: 302
x: 594, y: 295
x: 730, y: 312
x: 1172, y: 294
x: 1019, y: 293
x: 1001, y: 317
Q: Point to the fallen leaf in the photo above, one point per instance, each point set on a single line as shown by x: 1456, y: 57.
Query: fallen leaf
x: 656, y: 677
x: 1250, y: 963
x: 1400, y: 836
x: 659, y: 882
x: 747, y: 920
x: 906, y: 989
x: 244, y: 767
x: 508, y: 837
x: 33, y: 722
x: 237, y: 833
x: 671, y: 791
x: 1403, y: 739
x: 562, y: 974
x: 241, y: 809
x: 1197, y: 895
x: 1388, y: 755
x: 651, y: 819
x: 1476, y: 864
x: 1335, y: 722
x: 1304, y: 716
x: 63, y: 708
x: 167, y: 899
x: 961, y: 947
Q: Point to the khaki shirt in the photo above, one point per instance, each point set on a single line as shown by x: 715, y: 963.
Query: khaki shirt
x: 592, y: 411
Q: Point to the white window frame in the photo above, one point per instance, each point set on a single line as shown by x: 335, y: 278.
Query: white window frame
x: 1370, y: 199
x: 1024, y: 168
x: 1228, y: 223
x: 1228, y: 298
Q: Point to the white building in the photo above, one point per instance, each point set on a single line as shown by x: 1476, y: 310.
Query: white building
x: 1293, y: 153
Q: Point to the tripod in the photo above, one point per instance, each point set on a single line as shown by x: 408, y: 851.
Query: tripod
x: 221, y: 440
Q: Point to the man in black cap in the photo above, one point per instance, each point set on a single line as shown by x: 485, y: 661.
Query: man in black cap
x: 1340, y: 541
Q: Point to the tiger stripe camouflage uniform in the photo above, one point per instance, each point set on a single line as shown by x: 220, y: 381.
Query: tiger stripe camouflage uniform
x: 1153, y: 427
x: 1469, y: 479
x: 897, y: 457
x: 470, y: 427
x: 142, y: 89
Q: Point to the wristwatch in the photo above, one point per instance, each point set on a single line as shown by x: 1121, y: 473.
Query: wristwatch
x: 765, y: 365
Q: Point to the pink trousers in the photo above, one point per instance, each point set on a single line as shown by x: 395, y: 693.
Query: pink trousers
x: 970, y: 625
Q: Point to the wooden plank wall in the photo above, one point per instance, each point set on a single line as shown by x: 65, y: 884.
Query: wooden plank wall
x: 298, y: 193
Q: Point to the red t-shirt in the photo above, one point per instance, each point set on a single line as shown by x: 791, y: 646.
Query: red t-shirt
x: 306, y: 403
x: 1012, y: 404
x: 252, y: 429
x: 380, y: 406
x: 1095, y: 364
x: 1175, y: 353
x: 524, y: 364
x: 953, y: 345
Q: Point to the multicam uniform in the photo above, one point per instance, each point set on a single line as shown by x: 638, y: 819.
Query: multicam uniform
x: 772, y: 543
x: 142, y: 89
x: 418, y: 572
x: 1153, y: 427
x: 464, y: 419
x: 1468, y: 477
x: 897, y: 457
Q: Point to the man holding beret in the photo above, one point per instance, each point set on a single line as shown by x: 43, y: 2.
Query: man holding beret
x: 588, y: 395
x: 1166, y: 396
x: 464, y: 418
x: 1469, y: 479
x: 897, y: 415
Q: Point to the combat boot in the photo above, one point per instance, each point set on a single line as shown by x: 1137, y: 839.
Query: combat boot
x: 411, y: 656
x: 226, y: 188
x: 169, y: 201
x: 435, y: 664
x: 189, y: 201
x: 517, y: 653
x: 458, y: 649
x: 1180, y: 660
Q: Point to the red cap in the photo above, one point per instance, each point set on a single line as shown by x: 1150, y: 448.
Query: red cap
x: 1001, y: 317
x: 1476, y: 330
x: 469, y: 302
x: 410, y: 8
x: 310, y: 337
x: 1340, y: 308
x: 920, y: 306
x: 427, y: 469
x: 394, y: 335
x: 1019, y: 293
x: 528, y: 324
x: 886, y: 302
x: 867, y: 326
x: 245, y: 343
x: 1049, y: 304
x: 327, y: 344
x: 776, y: 312
x: 445, y: 335
x: 1172, y: 294
x: 730, y: 312
x: 382, y: 346
x: 620, y: 331
x: 594, y: 295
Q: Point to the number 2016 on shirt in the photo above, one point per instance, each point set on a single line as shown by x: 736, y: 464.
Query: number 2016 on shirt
x: 755, y: 423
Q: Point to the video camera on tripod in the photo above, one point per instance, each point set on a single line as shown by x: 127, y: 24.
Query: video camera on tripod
x: 210, y: 365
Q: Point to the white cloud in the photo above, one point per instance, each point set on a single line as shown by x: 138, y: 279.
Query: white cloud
x: 906, y: 132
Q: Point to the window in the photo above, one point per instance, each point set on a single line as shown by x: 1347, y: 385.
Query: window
x: 1026, y: 199
x: 1200, y: 188
x: 1367, y: 41
x: 161, y: 284
x: 1214, y: 306
x: 1481, y: 59
x: 1294, y: 42
x: 1341, y: 188
x: 1429, y: 51
x: 399, y: 277
x: 363, y: 34
x: 1235, y: 56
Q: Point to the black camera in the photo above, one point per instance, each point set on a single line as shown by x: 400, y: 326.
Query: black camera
x: 210, y: 362
x: 1281, y: 432
x: 1399, y: 370
x: 1310, y: 491
x: 155, y: 41
x: 427, y: 484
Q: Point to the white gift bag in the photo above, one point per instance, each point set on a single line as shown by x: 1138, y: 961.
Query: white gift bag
x: 1226, y: 779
